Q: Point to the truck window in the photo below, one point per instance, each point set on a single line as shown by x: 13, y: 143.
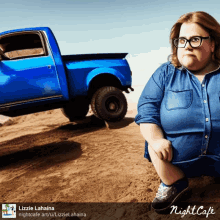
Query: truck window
x: 19, y: 46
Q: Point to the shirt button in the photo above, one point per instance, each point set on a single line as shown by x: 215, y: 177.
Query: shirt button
x: 204, y: 101
x: 203, y: 85
x: 207, y: 119
x: 206, y: 136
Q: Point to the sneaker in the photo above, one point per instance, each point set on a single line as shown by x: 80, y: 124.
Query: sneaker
x: 167, y: 195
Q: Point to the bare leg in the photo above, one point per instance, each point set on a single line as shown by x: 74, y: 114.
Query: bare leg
x: 167, y: 172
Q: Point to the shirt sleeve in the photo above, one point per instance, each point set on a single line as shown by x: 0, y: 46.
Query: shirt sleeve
x: 150, y: 100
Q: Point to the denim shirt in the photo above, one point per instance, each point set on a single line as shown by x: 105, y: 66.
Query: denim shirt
x: 187, y: 110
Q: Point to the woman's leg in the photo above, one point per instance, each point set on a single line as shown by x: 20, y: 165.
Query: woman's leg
x: 167, y: 172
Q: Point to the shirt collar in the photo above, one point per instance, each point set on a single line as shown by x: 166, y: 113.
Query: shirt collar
x: 184, y: 68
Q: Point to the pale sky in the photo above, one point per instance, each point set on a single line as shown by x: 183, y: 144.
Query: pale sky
x: 140, y: 28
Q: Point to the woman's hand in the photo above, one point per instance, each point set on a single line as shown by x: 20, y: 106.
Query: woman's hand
x: 163, y: 149
x: 154, y: 135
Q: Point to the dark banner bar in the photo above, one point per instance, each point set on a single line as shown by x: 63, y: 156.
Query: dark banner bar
x: 106, y: 211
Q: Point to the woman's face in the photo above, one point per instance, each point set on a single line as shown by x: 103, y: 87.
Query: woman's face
x: 195, y: 59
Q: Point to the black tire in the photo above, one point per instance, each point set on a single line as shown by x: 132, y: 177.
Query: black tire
x: 93, y: 105
x: 109, y: 104
x: 76, y: 109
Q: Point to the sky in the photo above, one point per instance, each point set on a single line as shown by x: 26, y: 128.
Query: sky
x: 140, y: 28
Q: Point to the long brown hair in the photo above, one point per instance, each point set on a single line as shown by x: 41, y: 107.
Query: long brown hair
x: 207, y: 22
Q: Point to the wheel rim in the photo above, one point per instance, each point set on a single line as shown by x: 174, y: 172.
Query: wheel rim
x: 112, y: 104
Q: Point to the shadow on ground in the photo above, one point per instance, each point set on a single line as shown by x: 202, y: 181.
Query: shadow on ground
x: 46, y: 148
x: 59, y: 134
x: 121, y: 124
x: 53, y: 136
x: 41, y: 157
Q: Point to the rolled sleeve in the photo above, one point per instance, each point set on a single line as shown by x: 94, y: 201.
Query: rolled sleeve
x: 150, y: 100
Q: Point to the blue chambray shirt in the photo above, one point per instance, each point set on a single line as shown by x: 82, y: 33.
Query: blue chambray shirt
x: 187, y: 110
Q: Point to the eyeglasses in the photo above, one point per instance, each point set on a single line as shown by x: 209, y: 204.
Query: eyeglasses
x: 194, y: 42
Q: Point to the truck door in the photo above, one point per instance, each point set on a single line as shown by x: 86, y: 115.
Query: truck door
x: 27, y: 70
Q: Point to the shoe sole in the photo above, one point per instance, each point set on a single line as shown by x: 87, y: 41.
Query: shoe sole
x: 174, y: 200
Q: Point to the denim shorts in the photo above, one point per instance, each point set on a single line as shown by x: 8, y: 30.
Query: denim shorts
x: 204, y: 165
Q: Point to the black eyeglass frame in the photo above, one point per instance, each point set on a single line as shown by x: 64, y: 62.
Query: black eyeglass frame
x: 186, y: 40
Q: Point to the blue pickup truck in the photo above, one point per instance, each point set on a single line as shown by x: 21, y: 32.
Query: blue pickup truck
x: 35, y: 77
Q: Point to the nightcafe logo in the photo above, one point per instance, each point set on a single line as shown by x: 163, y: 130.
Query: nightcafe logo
x: 8, y: 210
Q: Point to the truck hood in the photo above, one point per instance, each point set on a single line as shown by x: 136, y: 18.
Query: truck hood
x: 97, y: 56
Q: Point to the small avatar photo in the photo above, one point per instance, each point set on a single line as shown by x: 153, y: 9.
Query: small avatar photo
x: 8, y: 210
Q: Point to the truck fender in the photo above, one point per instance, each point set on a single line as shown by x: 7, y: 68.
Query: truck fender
x: 99, y: 71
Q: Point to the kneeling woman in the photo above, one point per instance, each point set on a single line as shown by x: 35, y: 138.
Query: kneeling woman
x: 179, y: 108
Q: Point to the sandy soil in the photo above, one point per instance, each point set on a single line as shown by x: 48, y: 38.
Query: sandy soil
x: 99, y: 167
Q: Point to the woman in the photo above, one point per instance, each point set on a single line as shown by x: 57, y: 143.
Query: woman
x: 179, y: 108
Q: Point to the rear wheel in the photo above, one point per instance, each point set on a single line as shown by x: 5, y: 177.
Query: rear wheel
x: 109, y: 104
x: 93, y: 103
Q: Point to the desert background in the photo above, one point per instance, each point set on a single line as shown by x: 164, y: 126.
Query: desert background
x: 91, y: 166
x: 97, y: 167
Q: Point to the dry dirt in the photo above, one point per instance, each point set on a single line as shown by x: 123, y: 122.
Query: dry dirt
x: 96, y: 167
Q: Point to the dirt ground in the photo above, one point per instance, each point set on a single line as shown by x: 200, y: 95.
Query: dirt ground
x: 100, y: 167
